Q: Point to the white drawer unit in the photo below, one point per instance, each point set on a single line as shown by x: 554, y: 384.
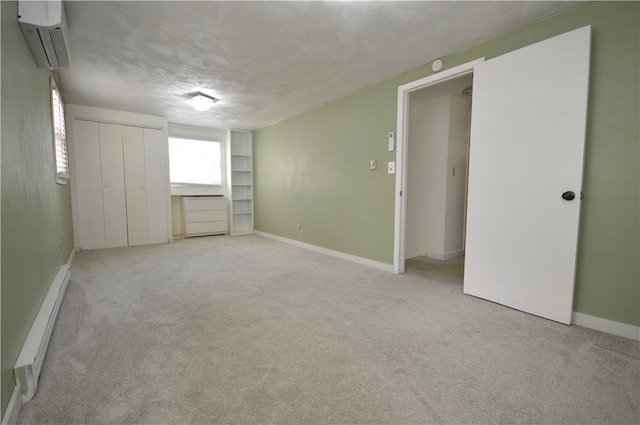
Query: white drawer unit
x: 204, y: 215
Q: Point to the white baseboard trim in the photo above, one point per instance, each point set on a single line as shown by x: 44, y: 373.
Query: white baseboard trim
x: 12, y: 412
x: 446, y: 255
x: 605, y: 325
x: 29, y: 363
x: 337, y: 254
x: 72, y: 257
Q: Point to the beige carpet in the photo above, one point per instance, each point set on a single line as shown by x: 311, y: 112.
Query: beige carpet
x: 248, y: 330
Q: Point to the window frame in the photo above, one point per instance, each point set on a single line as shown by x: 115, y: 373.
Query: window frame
x: 60, y: 145
x: 186, y: 189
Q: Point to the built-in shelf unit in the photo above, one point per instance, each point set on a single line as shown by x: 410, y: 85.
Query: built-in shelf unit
x: 240, y: 171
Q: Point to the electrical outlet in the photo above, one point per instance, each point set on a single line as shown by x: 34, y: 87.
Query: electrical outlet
x: 298, y: 225
x: 372, y: 164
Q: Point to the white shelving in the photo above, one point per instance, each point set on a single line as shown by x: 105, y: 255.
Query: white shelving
x: 240, y: 151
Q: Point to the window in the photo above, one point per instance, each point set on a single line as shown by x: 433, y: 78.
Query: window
x: 194, y: 162
x: 59, y: 135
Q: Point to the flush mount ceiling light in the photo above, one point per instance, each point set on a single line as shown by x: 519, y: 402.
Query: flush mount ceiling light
x: 202, y: 102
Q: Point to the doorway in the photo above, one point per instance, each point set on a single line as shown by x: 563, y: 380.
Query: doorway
x: 433, y: 119
x: 525, y: 175
x: 437, y: 163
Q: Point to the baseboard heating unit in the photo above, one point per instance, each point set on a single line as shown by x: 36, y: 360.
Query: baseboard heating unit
x: 31, y: 358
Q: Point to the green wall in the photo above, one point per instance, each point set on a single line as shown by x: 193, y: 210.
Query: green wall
x: 313, y: 167
x: 36, y: 212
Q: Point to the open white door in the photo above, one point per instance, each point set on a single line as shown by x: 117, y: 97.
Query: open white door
x: 527, y: 149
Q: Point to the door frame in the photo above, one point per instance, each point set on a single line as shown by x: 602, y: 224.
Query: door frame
x: 401, y: 157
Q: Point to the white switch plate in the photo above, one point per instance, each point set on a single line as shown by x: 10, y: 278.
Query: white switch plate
x: 392, y: 141
x: 372, y: 164
x: 391, y: 167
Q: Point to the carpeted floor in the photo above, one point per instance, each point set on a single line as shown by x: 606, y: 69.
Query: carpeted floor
x: 248, y: 330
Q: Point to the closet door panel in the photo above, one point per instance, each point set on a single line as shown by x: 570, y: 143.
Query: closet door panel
x: 157, y: 185
x: 135, y: 184
x: 113, y: 191
x: 89, y: 184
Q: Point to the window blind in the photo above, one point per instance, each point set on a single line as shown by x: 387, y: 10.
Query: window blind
x: 59, y: 135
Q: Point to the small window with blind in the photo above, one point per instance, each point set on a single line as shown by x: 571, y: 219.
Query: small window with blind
x: 59, y: 135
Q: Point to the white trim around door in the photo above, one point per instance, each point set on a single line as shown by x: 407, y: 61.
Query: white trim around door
x: 401, y: 157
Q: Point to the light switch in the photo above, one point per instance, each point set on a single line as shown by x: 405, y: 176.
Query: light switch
x: 392, y: 141
x: 391, y: 167
x: 372, y: 164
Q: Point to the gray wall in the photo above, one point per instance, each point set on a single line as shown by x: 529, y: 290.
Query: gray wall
x: 37, y: 235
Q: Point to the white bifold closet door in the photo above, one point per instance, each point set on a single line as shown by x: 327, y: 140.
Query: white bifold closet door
x: 113, y: 186
x: 88, y: 180
x: 100, y: 184
x: 122, y: 185
x: 155, y: 152
x: 136, y: 185
x: 145, y: 185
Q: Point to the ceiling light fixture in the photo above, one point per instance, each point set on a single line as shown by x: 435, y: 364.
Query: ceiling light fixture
x: 202, y: 102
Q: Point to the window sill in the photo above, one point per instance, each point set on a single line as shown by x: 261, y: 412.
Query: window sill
x: 197, y: 190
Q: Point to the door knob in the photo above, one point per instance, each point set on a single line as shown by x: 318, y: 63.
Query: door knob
x: 568, y: 195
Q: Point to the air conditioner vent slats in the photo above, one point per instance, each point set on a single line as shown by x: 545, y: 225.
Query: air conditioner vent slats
x: 44, y: 27
x: 44, y: 35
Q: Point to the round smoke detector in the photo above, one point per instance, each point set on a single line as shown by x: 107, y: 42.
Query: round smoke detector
x: 436, y: 65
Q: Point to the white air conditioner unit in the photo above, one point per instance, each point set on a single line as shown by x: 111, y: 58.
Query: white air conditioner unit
x: 44, y: 25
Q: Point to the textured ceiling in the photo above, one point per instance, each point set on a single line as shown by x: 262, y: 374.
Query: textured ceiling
x: 266, y: 61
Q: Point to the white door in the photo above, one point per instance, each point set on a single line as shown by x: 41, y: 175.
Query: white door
x: 135, y: 178
x: 113, y: 191
x: 155, y: 148
x: 527, y: 148
x: 89, y: 184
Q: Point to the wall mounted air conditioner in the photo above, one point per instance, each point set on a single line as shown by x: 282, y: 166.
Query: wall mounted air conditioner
x: 44, y: 25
